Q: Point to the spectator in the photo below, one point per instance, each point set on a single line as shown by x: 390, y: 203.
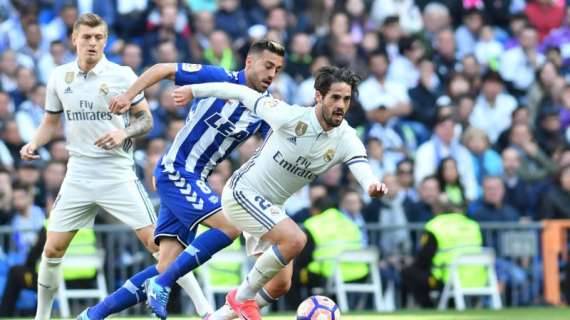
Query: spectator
x: 443, y: 144
x: 58, y: 151
x: 26, y: 81
x: 131, y: 16
x: 34, y: 48
x: 299, y: 59
x: 465, y: 106
x: 435, y: 17
x: 8, y: 70
x: 380, y: 163
x: 31, y: 112
x: 548, y: 133
x: 351, y: 205
x: 517, y: 24
x: 377, y: 89
x: 471, y: 69
x: 555, y: 203
x: 467, y: 34
x: 425, y: 94
x: 486, y: 161
x: 519, y: 116
x: 518, y: 65
x: 57, y: 56
x: 5, y: 196
x: 203, y: 26
x: 220, y: 52
x: 404, y: 69
x: 492, y: 207
x: 493, y: 103
x: 422, y: 209
x: 52, y: 178
x: 544, y: 15
x: 445, y: 55
x: 540, y: 94
x: 488, y: 50
x: 390, y: 35
x: 6, y: 107
x: 406, y: 11
x: 27, y: 220
x: 518, y: 193
x: 61, y: 26
x: 338, y: 25
x: 448, y: 234
x: 12, y: 141
x: 277, y: 22
x: 405, y: 175
x: 231, y: 18
x: 132, y: 57
x: 166, y: 30
x: 535, y: 164
x: 345, y: 54
x: 306, y: 91
x: 450, y: 182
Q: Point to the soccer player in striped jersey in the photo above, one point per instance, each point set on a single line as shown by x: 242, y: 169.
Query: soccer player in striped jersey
x: 303, y: 143
x: 213, y: 129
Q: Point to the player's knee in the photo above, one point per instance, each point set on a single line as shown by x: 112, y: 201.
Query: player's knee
x: 231, y: 231
x: 54, y: 251
x: 150, y: 245
x: 298, y: 241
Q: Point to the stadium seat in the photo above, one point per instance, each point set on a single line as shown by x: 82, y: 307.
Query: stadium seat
x: 65, y: 294
x: 341, y: 288
x: 230, y: 256
x: 453, y: 288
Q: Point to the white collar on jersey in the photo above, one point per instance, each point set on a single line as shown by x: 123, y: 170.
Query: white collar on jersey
x: 96, y: 70
x: 317, y: 126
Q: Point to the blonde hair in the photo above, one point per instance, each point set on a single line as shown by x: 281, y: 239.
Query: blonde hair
x: 91, y: 20
x: 473, y: 132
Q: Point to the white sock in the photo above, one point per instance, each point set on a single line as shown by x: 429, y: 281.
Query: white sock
x: 49, y: 276
x: 266, y: 266
x: 190, y: 285
x: 262, y: 298
x: 224, y: 313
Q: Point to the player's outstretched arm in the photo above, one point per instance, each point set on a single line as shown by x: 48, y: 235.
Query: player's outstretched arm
x: 121, y: 104
x: 140, y: 124
x: 49, y: 126
x: 247, y: 96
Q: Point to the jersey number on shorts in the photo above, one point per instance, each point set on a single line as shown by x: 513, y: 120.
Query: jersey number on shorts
x: 263, y: 204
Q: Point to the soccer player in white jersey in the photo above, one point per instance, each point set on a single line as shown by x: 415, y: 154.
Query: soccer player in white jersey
x: 304, y: 143
x: 213, y: 129
x: 100, y: 169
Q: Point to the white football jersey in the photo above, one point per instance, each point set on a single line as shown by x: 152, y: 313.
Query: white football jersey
x: 83, y: 99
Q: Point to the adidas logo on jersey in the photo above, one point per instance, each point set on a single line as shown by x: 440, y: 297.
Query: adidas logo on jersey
x: 293, y: 140
x: 68, y: 90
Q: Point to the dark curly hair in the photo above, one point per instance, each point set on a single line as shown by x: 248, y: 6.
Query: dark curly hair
x: 326, y: 76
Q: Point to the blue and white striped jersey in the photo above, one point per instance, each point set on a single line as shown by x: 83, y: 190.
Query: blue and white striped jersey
x: 214, y: 127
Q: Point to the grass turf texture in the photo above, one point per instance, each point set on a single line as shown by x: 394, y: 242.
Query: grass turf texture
x: 508, y: 314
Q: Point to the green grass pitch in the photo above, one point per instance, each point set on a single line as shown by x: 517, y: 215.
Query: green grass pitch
x: 507, y: 314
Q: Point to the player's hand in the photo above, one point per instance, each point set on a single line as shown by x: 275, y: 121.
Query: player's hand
x: 182, y: 95
x: 119, y: 104
x: 112, y: 139
x: 28, y: 152
x: 377, y: 190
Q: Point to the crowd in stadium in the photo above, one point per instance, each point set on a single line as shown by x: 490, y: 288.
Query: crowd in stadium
x: 470, y: 99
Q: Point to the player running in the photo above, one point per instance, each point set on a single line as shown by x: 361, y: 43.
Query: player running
x: 304, y: 143
x: 100, y: 169
x: 213, y: 129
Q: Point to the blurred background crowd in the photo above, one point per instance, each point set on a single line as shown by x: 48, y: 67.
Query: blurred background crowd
x: 467, y: 98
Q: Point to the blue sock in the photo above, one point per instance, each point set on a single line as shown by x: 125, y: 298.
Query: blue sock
x: 197, y: 253
x: 129, y: 294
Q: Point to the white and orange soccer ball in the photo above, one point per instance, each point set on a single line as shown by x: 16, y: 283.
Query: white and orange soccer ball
x: 318, y: 308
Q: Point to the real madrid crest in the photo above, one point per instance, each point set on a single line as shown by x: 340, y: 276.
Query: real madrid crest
x: 270, y: 103
x: 69, y: 76
x: 191, y: 67
x: 301, y: 128
x: 329, y: 155
x: 103, y: 89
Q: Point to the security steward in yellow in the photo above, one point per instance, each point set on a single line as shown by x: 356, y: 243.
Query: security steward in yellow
x: 447, y: 235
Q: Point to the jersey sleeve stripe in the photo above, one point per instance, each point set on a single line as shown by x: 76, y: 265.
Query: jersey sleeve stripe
x: 137, y: 101
x: 351, y: 160
x: 356, y: 161
x: 257, y: 102
x: 54, y: 112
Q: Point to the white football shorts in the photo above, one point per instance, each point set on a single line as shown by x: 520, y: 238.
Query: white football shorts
x: 252, y: 214
x: 76, y: 204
